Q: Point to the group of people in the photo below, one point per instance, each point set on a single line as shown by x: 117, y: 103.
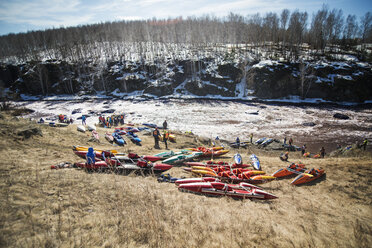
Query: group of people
x: 156, y: 134
x: 112, y: 120
x: 64, y: 119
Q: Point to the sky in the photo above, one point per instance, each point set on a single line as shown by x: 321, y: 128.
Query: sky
x: 27, y: 15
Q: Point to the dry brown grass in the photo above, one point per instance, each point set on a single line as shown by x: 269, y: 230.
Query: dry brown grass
x: 41, y: 207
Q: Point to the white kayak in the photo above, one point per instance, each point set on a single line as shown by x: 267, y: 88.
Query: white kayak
x: 81, y: 128
x: 91, y: 127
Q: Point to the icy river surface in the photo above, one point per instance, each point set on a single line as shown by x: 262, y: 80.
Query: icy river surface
x: 226, y: 119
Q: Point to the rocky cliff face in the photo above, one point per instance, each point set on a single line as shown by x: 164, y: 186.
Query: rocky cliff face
x: 337, y: 81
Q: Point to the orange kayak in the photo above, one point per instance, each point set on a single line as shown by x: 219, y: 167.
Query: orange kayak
x: 289, y: 171
x: 308, y: 176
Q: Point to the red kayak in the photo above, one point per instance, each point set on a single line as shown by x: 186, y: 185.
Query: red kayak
x: 241, y: 191
x: 97, y: 165
x: 196, y: 180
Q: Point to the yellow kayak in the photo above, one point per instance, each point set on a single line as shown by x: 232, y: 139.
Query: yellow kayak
x: 171, y: 137
x: 84, y: 148
x: 202, y: 168
x: 204, y: 172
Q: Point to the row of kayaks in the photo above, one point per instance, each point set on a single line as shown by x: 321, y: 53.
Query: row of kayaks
x: 211, y: 186
x: 120, y: 163
x: 185, y: 155
x: 235, y: 180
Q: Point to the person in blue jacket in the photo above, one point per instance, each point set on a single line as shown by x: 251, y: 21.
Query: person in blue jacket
x: 90, y: 156
x: 83, y: 118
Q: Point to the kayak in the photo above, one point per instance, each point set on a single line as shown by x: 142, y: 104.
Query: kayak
x: 308, y: 176
x: 217, y: 164
x: 267, y: 142
x: 95, y: 134
x: 182, y: 158
x: 97, y: 165
x: 201, y: 148
x: 238, y: 158
x: 151, y: 125
x: 203, y: 172
x: 84, y: 148
x: 118, y: 139
x: 91, y: 127
x: 148, y: 168
x: 119, y: 159
x: 255, y: 162
x: 240, y: 191
x: 259, y: 141
x: 109, y: 137
x: 83, y: 154
x: 197, y: 180
x: 81, y: 128
x: 288, y: 171
x: 134, y: 138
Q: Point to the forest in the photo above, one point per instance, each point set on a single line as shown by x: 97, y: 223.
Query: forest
x: 283, y: 35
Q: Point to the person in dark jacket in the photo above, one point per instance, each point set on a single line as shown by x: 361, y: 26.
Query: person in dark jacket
x: 322, y: 152
x: 237, y: 142
x: 165, y: 124
x: 156, y: 135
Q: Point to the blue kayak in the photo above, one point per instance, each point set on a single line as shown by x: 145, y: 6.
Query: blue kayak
x: 118, y: 139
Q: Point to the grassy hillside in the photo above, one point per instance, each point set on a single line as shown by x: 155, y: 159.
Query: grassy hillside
x: 41, y: 207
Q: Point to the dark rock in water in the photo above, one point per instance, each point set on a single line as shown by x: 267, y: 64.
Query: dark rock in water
x: 108, y: 111
x: 308, y: 124
x: 341, y: 116
x: 30, y: 131
x: 76, y: 111
x: 252, y: 113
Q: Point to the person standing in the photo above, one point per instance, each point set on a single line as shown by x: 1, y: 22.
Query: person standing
x: 285, y: 140
x: 165, y: 124
x: 322, y: 152
x: 303, y: 149
x: 156, y: 135
x: 251, y: 138
x: 165, y: 138
x: 365, y: 143
x: 237, y: 142
x: 83, y: 120
x: 290, y: 141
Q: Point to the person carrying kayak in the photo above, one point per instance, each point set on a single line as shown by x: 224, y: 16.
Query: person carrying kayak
x: 156, y: 135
